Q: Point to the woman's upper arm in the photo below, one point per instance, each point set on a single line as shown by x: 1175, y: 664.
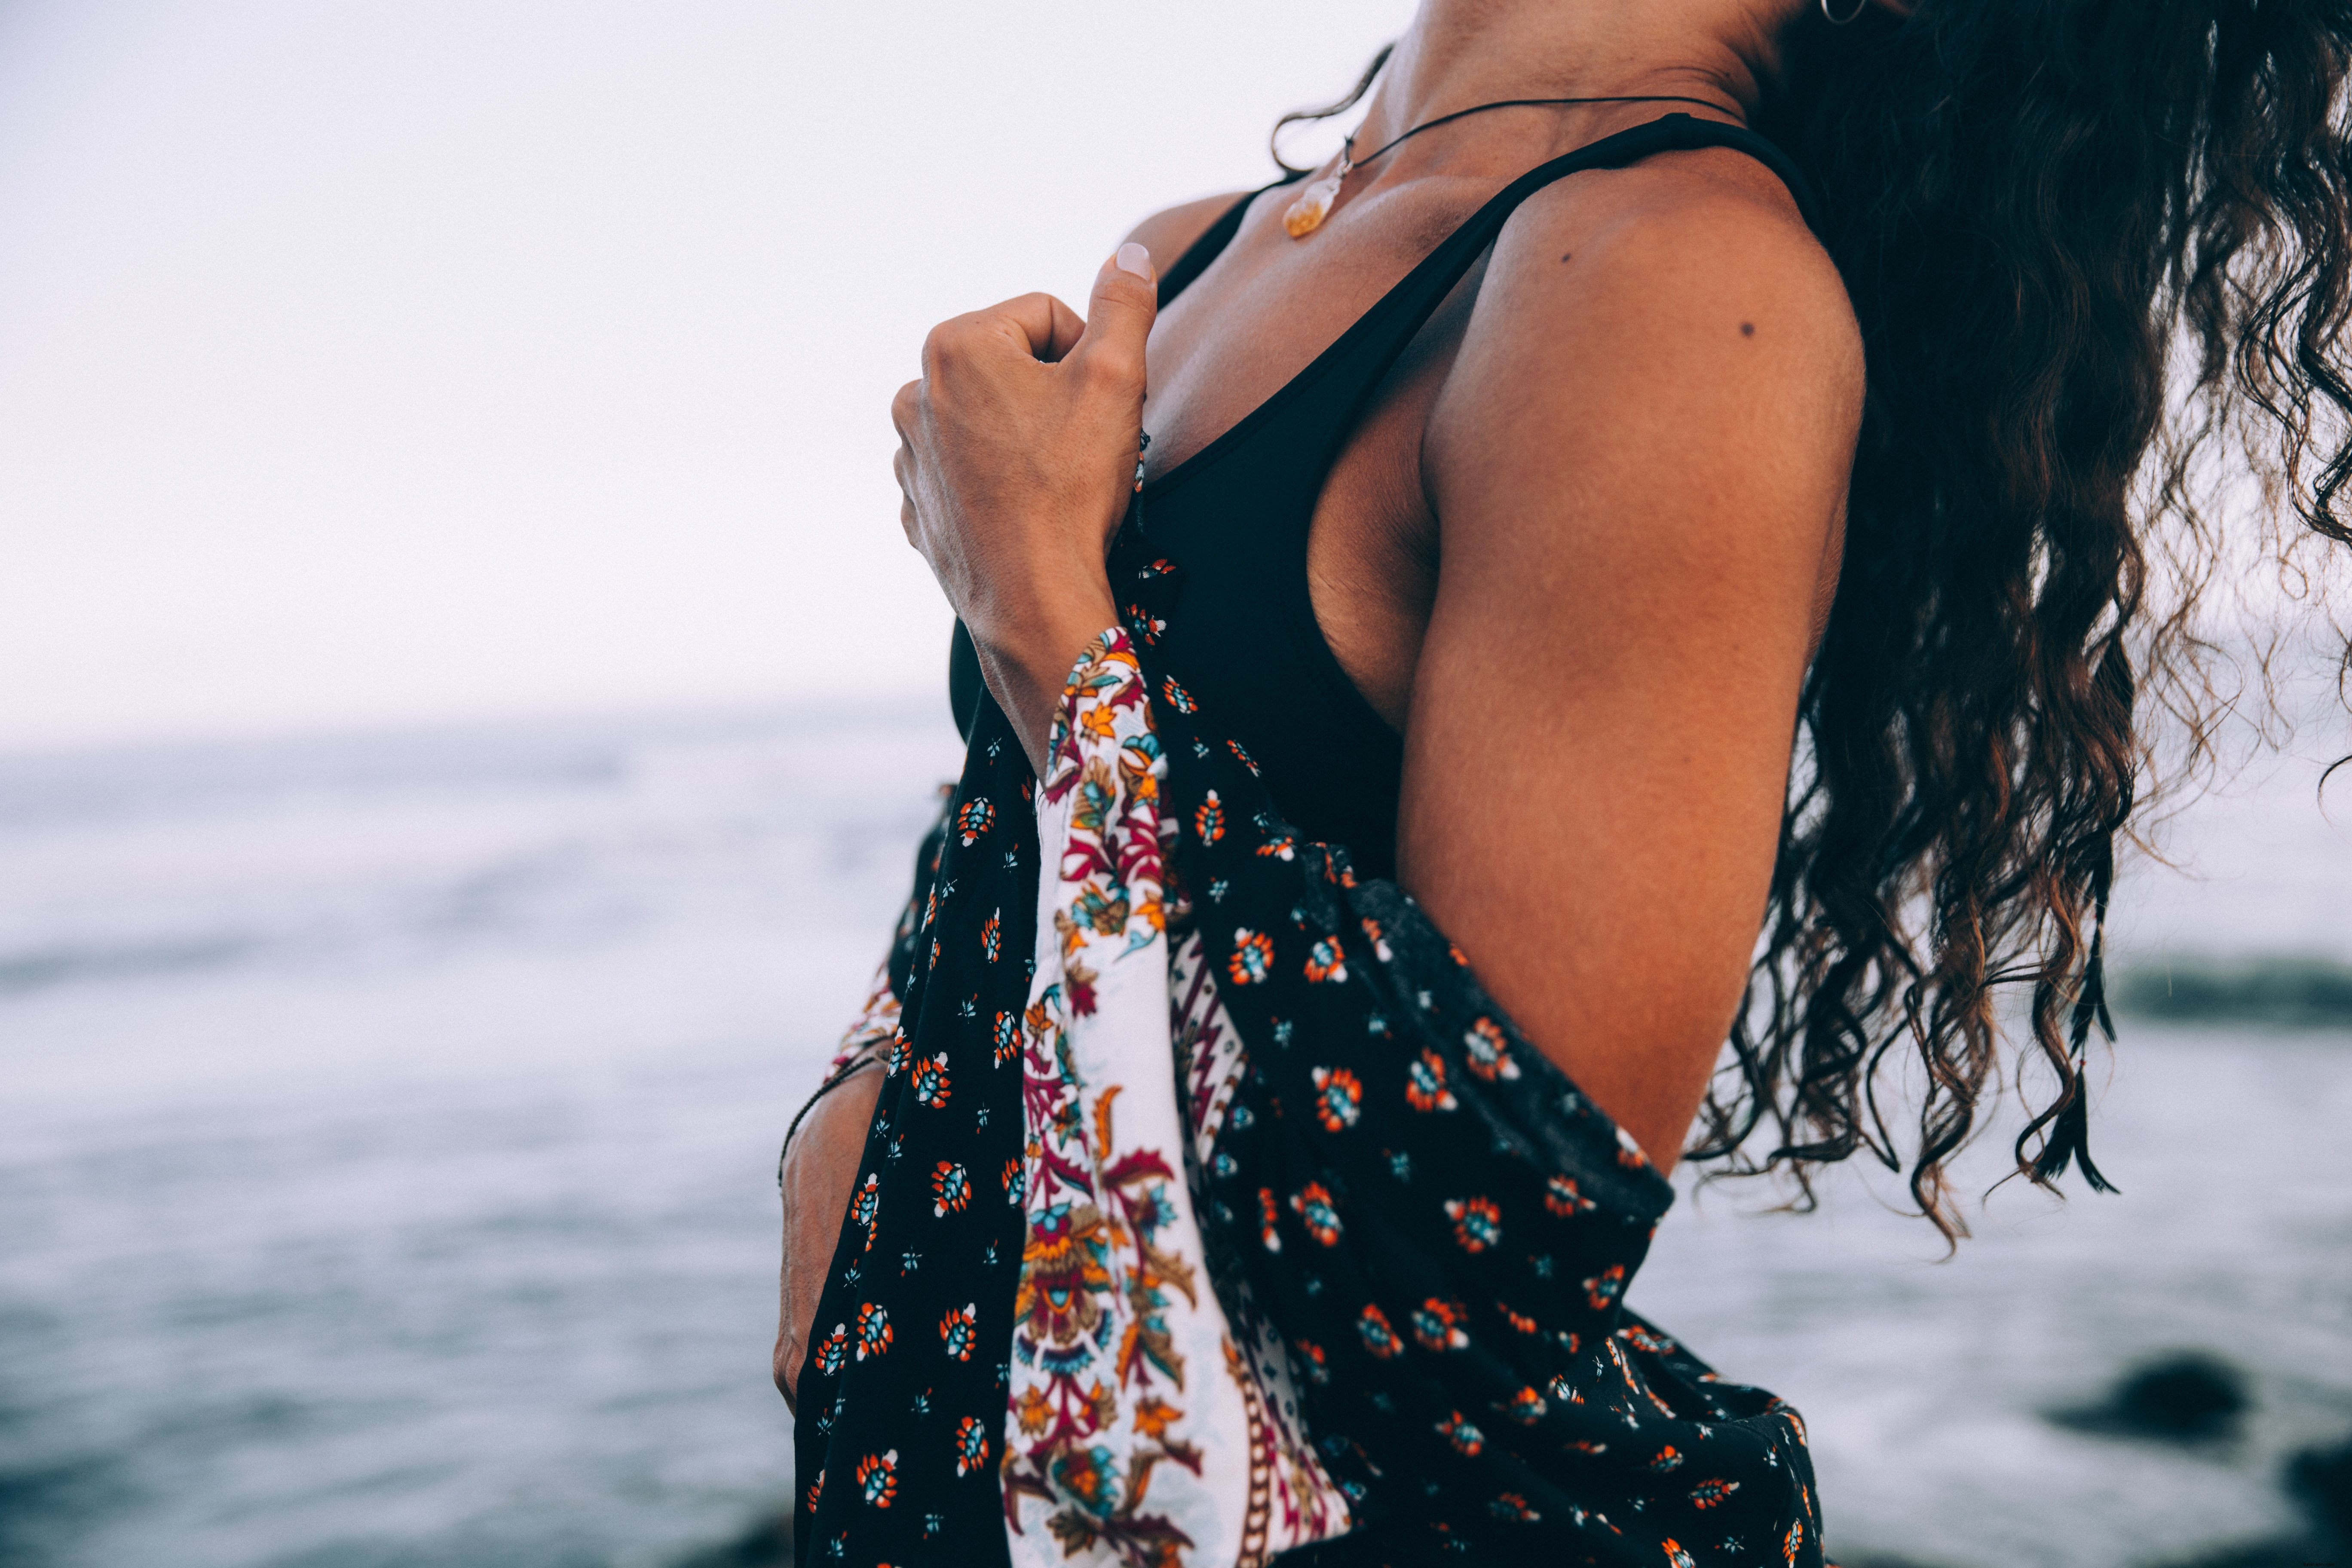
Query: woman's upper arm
x: 1638, y: 498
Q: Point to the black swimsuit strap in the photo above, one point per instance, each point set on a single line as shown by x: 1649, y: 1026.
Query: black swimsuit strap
x: 1317, y: 407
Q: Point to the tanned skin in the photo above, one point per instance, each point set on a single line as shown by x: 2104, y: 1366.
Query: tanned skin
x: 1578, y: 554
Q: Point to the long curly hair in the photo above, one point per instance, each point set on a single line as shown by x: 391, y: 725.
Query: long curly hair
x: 2101, y: 253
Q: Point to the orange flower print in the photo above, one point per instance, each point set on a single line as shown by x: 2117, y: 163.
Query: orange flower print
x: 1519, y: 1320
x: 1379, y: 939
x: 1676, y: 1556
x: 1513, y: 1507
x: 1327, y: 960
x: 866, y: 1208
x: 1268, y: 1237
x: 832, y: 1350
x: 1562, y: 1197
x: 1668, y: 1458
x: 1643, y: 1339
x: 1338, y: 1097
x: 1467, y: 1440
x: 1312, y: 1204
x: 1487, y: 1053
x: 931, y: 1081
x: 1311, y: 1361
x: 1235, y: 747
x: 1477, y: 1223
x: 1209, y: 822
x: 1791, y: 1541
x: 1526, y: 1407
x: 1604, y: 1288
x: 1708, y: 1493
x: 1252, y: 958
x: 1016, y: 1181
x: 1281, y: 846
x: 951, y: 1189
x: 1437, y: 1325
x: 976, y: 818
x: 1379, y: 1337
x: 873, y: 1330
x: 816, y: 1491
x: 1178, y: 697
x: 1008, y: 1037
x: 878, y: 1477
x: 1424, y: 1084
x: 902, y: 1051
x: 992, y: 936
x: 970, y: 1445
x: 957, y: 1332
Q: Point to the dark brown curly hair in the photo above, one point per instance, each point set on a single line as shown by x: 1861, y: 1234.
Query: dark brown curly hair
x: 2101, y: 253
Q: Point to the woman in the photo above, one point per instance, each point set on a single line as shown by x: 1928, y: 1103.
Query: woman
x: 1571, y: 536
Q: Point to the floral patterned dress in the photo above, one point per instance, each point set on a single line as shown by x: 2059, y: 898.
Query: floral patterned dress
x: 1212, y: 1212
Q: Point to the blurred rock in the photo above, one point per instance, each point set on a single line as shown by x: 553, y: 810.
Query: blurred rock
x: 2321, y: 1481
x: 2284, y: 992
x: 2189, y: 1397
x: 768, y: 1544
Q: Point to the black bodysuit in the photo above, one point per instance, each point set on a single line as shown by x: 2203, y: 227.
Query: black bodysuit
x: 1401, y: 1188
x: 1235, y: 516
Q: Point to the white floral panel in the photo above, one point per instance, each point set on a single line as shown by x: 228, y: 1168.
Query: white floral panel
x: 1137, y: 1430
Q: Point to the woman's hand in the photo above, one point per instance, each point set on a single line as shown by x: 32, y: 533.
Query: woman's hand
x: 1017, y: 458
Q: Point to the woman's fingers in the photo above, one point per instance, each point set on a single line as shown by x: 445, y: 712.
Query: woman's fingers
x: 1119, y: 317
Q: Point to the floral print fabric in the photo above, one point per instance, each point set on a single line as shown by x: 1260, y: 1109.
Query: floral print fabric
x: 1401, y: 1235
x: 1138, y: 1431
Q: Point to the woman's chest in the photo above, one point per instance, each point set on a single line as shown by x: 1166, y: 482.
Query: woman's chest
x: 1263, y: 402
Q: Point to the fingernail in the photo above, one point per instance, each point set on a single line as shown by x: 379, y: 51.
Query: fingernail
x: 1133, y: 257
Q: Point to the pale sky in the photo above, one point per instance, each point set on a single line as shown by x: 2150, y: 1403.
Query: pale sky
x: 367, y: 364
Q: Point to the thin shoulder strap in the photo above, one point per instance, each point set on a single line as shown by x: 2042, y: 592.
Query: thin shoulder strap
x: 1317, y: 408
x: 1397, y: 316
x: 1211, y: 244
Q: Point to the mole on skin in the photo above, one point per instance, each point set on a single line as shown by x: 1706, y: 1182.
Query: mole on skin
x: 1747, y: 328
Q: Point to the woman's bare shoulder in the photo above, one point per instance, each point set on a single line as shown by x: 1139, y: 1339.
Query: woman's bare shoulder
x: 1170, y: 233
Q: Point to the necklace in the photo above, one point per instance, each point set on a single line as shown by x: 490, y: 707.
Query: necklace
x: 1306, y: 215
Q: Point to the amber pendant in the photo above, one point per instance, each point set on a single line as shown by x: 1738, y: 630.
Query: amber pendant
x: 1306, y: 215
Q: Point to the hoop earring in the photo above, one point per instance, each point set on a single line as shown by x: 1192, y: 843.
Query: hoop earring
x: 1852, y: 15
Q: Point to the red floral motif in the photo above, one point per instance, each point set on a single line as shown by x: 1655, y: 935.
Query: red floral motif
x: 1562, y: 1197
x: 951, y: 1189
x: 1379, y: 1337
x: 1487, y: 1053
x: 1338, y: 1097
x: 1477, y: 1223
x: 1253, y: 957
x: 1709, y: 1492
x: 1314, y: 1206
x: 873, y: 1330
x: 957, y: 1332
x: 970, y: 1445
x: 1604, y: 1289
x: 878, y: 1477
x: 1437, y: 1325
x: 1425, y: 1083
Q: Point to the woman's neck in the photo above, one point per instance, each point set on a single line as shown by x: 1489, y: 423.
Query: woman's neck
x: 1458, y: 53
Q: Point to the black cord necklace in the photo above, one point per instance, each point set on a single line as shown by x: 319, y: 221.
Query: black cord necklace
x: 1306, y: 215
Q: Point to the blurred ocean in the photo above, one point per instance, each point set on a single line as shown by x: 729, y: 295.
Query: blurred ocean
x: 388, y: 1129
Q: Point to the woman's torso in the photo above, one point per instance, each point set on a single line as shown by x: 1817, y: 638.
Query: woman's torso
x: 1292, y: 386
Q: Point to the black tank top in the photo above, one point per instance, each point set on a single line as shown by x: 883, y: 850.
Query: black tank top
x: 1235, y: 517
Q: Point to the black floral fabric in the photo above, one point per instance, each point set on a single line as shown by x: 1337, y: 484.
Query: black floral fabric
x: 1440, y: 1227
